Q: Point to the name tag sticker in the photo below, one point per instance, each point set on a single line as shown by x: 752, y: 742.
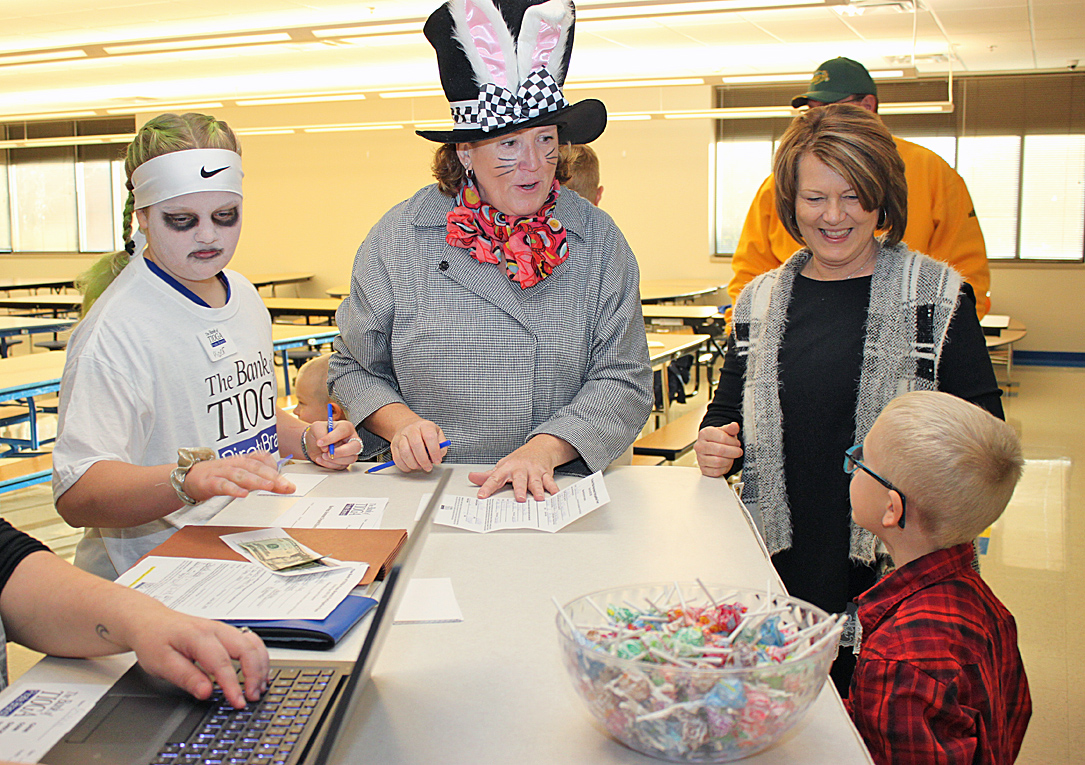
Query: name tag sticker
x: 216, y: 344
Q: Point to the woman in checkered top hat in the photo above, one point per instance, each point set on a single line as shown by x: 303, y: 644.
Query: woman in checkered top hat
x: 496, y: 309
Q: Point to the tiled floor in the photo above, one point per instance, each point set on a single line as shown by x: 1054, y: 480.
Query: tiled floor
x: 1032, y: 562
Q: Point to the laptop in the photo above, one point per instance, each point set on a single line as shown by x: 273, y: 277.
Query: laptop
x: 142, y: 719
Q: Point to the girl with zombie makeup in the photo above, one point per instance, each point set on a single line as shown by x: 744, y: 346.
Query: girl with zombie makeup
x: 168, y: 399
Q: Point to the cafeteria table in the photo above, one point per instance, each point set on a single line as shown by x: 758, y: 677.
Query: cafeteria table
x: 22, y: 380
x: 1000, y: 333
x: 36, y: 283
x: 54, y: 304
x: 671, y: 290
x: 492, y: 688
x: 277, y: 280
x: 665, y: 347
x: 322, y: 308
x: 10, y: 326
x: 284, y: 337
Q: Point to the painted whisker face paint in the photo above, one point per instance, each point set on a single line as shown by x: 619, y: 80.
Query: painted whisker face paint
x: 514, y: 172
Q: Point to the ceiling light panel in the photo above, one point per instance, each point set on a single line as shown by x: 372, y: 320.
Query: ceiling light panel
x: 160, y: 46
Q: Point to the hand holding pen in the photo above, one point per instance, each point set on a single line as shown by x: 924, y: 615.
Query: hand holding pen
x: 418, y: 445
x: 389, y: 463
x: 336, y: 448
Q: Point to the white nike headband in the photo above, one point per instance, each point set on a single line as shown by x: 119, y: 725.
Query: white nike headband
x: 185, y: 172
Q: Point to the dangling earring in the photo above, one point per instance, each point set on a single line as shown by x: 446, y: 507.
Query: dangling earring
x: 881, y: 218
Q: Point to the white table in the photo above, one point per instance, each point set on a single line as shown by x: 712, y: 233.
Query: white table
x: 10, y: 326
x: 492, y: 688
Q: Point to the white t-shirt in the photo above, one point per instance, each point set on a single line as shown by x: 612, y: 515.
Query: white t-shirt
x: 149, y: 370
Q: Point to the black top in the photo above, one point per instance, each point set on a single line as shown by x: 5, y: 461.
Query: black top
x: 819, y: 365
x: 14, y: 546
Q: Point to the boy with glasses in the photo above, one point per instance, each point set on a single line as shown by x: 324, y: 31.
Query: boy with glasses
x: 939, y: 676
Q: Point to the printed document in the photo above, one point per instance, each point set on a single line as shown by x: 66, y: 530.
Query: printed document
x: 334, y: 513
x: 34, y: 716
x: 227, y: 589
x: 501, y: 513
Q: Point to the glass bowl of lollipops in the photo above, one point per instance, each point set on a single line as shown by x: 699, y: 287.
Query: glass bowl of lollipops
x: 690, y: 672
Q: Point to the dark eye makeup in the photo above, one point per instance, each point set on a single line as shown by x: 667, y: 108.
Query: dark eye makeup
x: 186, y: 221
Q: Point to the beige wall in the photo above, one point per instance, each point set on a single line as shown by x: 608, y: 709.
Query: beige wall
x: 310, y: 198
x: 1048, y: 299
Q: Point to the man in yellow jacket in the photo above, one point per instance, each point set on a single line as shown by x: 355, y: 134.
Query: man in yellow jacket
x: 941, y: 218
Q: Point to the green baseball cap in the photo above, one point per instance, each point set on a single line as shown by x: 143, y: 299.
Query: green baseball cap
x: 835, y: 80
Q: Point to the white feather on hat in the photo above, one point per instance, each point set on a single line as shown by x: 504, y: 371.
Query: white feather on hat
x: 495, y: 56
x: 490, y: 54
x: 543, y: 34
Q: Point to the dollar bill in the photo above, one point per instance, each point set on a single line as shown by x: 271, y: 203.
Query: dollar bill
x: 275, y: 549
x: 279, y: 553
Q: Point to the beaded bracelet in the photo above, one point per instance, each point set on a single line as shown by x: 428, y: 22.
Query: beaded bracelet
x: 304, y: 448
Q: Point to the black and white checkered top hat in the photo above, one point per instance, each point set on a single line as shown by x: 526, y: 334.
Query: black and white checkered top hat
x: 502, y: 65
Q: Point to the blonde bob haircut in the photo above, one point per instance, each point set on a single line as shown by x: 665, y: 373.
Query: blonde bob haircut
x: 451, y: 175
x: 855, y: 144
x: 956, y: 463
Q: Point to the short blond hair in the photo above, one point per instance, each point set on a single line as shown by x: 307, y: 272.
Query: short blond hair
x: 956, y: 463
x: 318, y: 365
x: 583, y: 166
x: 856, y: 145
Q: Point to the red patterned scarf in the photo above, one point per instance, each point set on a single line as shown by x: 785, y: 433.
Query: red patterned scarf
x: 532, y: 246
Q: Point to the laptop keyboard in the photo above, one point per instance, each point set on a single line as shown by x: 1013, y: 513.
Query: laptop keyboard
x: 266, y: 732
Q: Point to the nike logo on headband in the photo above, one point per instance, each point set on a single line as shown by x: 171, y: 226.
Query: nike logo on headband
x: 206, y: 174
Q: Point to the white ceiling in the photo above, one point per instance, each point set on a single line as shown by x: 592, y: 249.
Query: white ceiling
x: 91, y: 74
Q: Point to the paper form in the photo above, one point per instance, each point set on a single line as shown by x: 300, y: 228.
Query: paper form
x: 334, y: 513
x: 303, y: 483
x: 226, y: 589
x: 501, y: 513
x: 34, y: 716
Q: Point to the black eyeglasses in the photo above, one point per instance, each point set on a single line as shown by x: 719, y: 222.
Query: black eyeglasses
x: 853, y: 459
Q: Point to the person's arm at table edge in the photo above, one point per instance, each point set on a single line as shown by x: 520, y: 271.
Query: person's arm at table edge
x: 114, y: 494
x: 51, y: 606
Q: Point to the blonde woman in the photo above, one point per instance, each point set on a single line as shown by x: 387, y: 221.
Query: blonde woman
x: 821, y: 344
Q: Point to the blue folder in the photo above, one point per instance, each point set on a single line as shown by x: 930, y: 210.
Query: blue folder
x: 311, y: 634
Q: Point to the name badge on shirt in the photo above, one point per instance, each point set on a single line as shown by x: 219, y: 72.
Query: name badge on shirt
x: 216, y: 344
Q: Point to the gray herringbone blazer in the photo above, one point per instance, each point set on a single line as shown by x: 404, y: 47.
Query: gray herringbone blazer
x: 454, y: 339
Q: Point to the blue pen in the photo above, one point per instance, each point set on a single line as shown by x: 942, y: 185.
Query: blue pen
x: 384, y: 465
x: 331, y: 447
x: 283, y: 461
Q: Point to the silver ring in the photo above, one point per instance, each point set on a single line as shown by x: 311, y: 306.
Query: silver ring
x: 244, y: 629
x: 355, y: 438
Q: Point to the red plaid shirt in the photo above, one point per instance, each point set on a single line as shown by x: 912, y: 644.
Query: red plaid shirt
x: 939, y: 677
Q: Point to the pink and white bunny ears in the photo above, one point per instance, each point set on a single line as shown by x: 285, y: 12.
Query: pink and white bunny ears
x: 502, y: 65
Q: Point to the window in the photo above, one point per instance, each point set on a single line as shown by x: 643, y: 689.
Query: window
x: 62, y: 198
x: 988, y: 183
x: 1053, y: 197
x: 1024, y: 166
